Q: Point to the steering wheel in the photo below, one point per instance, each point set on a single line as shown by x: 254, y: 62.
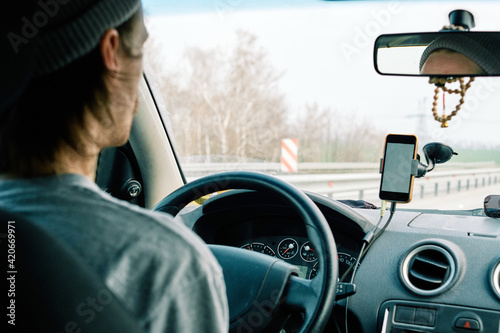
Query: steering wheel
x: 263, y: 290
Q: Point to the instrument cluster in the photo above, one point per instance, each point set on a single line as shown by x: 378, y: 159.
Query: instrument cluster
x: 298, y: 251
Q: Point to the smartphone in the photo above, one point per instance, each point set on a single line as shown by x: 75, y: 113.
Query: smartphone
x: 397, y: 179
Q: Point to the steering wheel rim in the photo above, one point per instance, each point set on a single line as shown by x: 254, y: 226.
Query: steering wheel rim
x: 315, y: 297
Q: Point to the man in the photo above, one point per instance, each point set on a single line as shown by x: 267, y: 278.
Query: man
x: 461, y: 54
x: 445, y: 61
x: 80, y: 96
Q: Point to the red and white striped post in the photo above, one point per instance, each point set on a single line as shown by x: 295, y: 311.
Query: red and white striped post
x: 289, y: 154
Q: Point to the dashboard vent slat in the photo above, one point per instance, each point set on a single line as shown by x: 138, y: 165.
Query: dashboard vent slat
x: 425, y: 278
x: 432, y: 261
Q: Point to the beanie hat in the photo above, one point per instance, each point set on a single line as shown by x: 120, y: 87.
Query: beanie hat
x: 42, y: 36
x: 65, y: 30
x: 77, y: 28
x: 483, y: 49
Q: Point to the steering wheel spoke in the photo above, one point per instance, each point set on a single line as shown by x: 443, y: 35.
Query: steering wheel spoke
x: 301, y: 294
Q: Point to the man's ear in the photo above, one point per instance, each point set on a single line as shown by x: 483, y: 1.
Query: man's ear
x: 109, y: 49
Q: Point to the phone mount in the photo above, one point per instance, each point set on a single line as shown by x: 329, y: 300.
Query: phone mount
x: 435, y: 153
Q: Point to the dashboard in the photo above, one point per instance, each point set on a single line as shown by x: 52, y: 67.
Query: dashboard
x: 430, y: 271
x: 258, y: 223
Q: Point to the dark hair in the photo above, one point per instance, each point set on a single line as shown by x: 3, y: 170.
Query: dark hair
x: 50, y: 111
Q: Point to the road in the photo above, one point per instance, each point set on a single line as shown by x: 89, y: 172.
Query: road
x: 465, y: 199
x: 459, y: 187
x: 470, y: 199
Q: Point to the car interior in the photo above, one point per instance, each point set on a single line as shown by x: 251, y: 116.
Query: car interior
x: 296, y: 259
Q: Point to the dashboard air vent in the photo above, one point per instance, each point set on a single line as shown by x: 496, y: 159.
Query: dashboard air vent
x: 428, y: 270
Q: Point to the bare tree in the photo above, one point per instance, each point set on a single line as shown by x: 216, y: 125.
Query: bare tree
x: 226, y: 105
x: 231, y: 101
x: 327, y: 135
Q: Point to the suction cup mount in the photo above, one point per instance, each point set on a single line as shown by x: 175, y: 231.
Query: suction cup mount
x: 435, y: 153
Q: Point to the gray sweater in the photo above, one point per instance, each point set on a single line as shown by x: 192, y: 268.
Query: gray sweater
x: 164, y: 274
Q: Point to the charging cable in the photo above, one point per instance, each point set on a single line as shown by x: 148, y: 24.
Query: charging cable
x: 368, y: 241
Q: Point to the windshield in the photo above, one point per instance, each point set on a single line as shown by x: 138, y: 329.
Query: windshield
x: 289, y: 88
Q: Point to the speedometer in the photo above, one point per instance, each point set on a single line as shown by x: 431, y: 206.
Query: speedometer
x: 259, y: 247
x: 346, y: 261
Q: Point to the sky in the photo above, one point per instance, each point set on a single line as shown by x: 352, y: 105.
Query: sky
x: 169, y: 7
x: 325, y: 52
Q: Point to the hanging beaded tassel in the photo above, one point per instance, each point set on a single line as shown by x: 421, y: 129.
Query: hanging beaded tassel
x: 440, y: 84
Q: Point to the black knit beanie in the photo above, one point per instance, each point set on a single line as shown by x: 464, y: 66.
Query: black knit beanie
x: 483, y: 49
x: 76, y: 28
x: 41, y: 36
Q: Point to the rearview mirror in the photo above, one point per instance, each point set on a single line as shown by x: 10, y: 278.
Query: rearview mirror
x: 445, y: 54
